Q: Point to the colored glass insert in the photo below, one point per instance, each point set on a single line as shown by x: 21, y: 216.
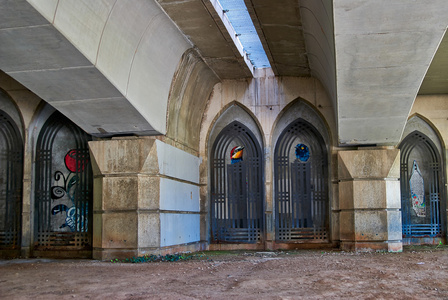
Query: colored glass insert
x: 302, y: 152
x: 236, y: 154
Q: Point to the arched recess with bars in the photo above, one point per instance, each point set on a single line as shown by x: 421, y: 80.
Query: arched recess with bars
x: 63, y: 190
x: 236, y: 187
x: 11, y: 177
x: 422, y: 184
x: 301, y: 185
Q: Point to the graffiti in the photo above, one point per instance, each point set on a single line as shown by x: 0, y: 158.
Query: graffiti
x: 302, y: 152
x: 417, y: 186
x: 72, y: 214
x: 75, y: 219
x: 236, y: 154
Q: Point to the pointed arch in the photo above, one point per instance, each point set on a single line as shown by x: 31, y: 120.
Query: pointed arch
x: 235, y: 111
x: 301, y: 175
x: 236, y: 189
x: 301, y: 108
x: 11, y: 177
x: 63, y: 188
x: 418, y: 122
x: 421, y: 180
x: 301, y: 184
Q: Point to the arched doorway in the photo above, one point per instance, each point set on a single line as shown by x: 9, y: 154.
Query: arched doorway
x: 63, y: 190
x: 236, y: 186
x: 301, y: 185
x: 421, y: 180
x: 11, y: 174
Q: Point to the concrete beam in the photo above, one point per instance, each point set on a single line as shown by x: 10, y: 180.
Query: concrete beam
x: 34, y: 53
x: 92, y: 59
x: 383, y: 50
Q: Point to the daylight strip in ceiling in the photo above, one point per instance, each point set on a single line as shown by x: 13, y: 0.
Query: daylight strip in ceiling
x: 244, y: 31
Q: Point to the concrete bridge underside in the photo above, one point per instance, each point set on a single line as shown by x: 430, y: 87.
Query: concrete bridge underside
x: 116, y: 67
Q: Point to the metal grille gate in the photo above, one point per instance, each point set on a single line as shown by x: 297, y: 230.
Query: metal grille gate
x: 63, y: 192
x: 236, y: 189
x: 11, y: 174
x: 419, y: 148
x: 301, y: 192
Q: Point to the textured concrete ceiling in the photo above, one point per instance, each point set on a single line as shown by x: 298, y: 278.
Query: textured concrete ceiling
x: 279, y: 25
x: 198, y: 20
x: 436, y: 79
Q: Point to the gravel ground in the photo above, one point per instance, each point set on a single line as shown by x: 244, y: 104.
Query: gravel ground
x: 417, y: 273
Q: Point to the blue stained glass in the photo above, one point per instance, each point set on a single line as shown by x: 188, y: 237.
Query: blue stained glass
x: 302, y: 152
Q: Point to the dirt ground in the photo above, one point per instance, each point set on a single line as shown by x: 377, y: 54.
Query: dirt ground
x: 417, y: 273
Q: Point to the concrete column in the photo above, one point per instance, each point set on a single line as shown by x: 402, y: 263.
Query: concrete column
x: 27, y: 209
x: 146, y: 198
x: 369, y: 199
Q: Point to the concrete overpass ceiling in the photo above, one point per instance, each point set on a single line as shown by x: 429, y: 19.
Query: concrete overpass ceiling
x: 93, y: 59
x: 436, y: 79
x: 383, y: 50
x: 203, y: 26
x: 298, y: 38
x: 280, y: 28
x: 236, y: 12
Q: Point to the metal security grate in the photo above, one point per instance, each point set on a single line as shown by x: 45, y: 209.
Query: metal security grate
x: 63, y: 192
x: 418, y: 150
x: 236, y: 189
x: 301, y: 192
x: 11, y: 174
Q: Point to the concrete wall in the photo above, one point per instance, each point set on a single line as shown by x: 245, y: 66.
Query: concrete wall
x: 267, y: 100
x: 190, y: 90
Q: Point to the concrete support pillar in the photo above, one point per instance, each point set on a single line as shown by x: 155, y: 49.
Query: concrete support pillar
x: 146, y: 198
x: 369, y: 199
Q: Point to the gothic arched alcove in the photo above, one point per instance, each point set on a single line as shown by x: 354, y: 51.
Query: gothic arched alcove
x: 11, y: 177
x: 63, y: 189
x: 422, y: 192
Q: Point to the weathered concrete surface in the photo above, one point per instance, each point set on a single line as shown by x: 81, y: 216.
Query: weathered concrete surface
x: 279, y: 26
x: 266, y: 104
x: 369, y: 199
x: 200, y: 22
x: 146, y: 198
x: 190, y: 90
x: 318, y: 30
x: 383, y: 50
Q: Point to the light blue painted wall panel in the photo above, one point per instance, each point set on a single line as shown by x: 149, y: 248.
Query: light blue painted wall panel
x: 179, y: 229
x: 180, y: 196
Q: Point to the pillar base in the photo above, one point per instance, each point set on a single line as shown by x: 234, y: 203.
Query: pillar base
x: 374, y: 246
x: 109, y: 254
x: 369, y: 200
